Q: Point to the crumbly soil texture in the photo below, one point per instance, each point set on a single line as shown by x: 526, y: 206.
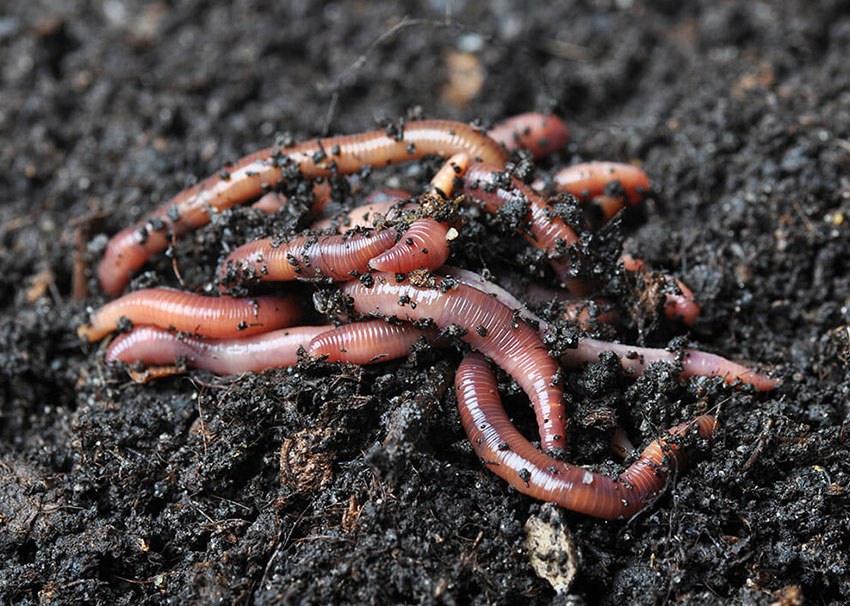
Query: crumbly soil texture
x: 330, y: 484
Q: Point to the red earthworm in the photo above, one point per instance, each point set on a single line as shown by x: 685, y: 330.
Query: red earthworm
x: 155, y: 346
x: 546, y: 231
x: 337, y: 257
x: 679, y: 306
x: 128, y: 250
x: 188, y: 312
x: 367, y: 342
x: 425, y: 244
x: 509, y: 455
x: 694, y: 363
x: 590, y: 179
x: 487, y: 325
x: 541, y: 134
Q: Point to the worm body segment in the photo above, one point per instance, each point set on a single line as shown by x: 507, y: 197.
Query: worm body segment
x: 367, y: 342
x: 694, y: 363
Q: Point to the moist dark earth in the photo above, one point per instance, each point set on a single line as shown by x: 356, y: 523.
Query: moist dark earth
x: 348, y: 485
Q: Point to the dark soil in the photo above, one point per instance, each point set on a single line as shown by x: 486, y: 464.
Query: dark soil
x: 175, y: 491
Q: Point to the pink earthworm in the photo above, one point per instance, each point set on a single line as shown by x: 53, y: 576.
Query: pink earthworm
x: 546, y: 231
x: 590, y: 179
x: 422, y: 246
x: 188, y: 312
x: 509, y: 455
x: 633, y: 359
x: 367, y: 342
x: 248, y: 178
x: 541, y: 134
x: 425, y: 244
x: 336, y: 257
x: 487, y: 325
x: 155, y: 346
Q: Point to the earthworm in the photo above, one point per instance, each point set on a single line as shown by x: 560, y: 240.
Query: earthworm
x: 546, y: 231
x: 367, y: 342
x: 694, y: 363
x: 379, y: 202
x: 247, y: 179
x: 590, y: 179
x: 486, y: 324
x: 155, y: 346
x: 608, y: 207
x: 509, y: 455
x: 425, y: 244
x: 541, y: 134
x: 633, y: 359
x: 188, y: 312
x: 337, y: 257
x: 679, y: 306
x: 271, y: 202
x: 422, y: 246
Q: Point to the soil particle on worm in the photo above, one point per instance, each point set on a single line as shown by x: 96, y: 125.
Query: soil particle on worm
x: 333, y: 484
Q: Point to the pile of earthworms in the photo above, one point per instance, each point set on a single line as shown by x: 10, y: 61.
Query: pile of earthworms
x: 389, y: 258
